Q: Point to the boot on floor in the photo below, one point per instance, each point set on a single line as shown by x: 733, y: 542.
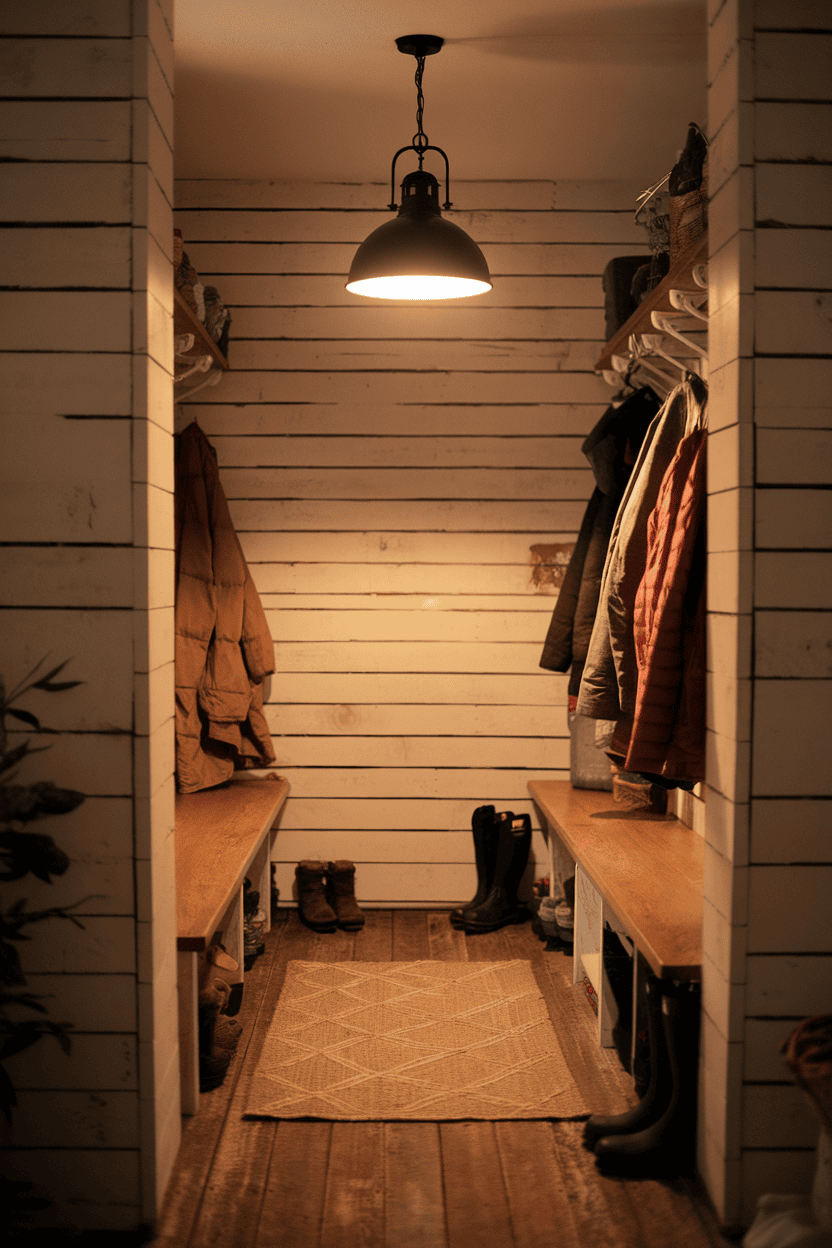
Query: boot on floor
x: 514, y: 838
x: 485, y: 851
x: 314, y: 909
x: 341, y: 895
x: 657, y: 1097
x: 667, y: 1144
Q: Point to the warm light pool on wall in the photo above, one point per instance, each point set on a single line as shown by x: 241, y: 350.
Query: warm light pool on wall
x: 420, y: 255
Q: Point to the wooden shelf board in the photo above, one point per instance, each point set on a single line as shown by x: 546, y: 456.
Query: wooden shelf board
x: 185, y: 321
x: 678, y: 278
x: 649, y: 869
x: 217, y: 834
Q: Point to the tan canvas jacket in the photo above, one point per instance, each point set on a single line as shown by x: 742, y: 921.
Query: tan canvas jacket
x: 224, y: 650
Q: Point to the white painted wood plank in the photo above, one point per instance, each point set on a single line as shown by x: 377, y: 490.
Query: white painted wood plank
x: 399, y: 452
x: 50, y: 1119
x: 794, y: 194
x: 313, y: 281
x: 98, y: 764
x: 476, y: 482
x: 794, y: 644
x: 778, y: 1116
x: 385, y: 578
x: 536, y: 689
x: 87, y: 130
x: 462, y: 602
x: 393, y: 547
x: 808, y: 823
x: 55, y: 257
x: 571, y: 270
x: 387, y: 845
x: 796, y: 132
x: 793, y: 579
x: 797, y: 456
x: 393, y: 656
x: 793, y: 519
x: 534, y: 195
x: 61, y: 576
x: 496, y: 350
x: 793, y: 258
x: 460, y: 420
x: 792, y: 66
x: 110, y: 18
x: 421, y: 752
x: 65, y: 321
x: 432, y: 386
x: 477, y: 785
x: 64, y: 192
x: 444, y: 884
x: 793, y: 322
x: 74, y: 489
x: 46, y: 67
x: 69, y: 385
x: 353, y: 227
x: 276, y: 515
x: 479, y: 626
x: 388, y: 815
x: 429, y: 720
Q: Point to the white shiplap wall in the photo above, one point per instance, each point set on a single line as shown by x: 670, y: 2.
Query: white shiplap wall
x: 390, y: 471
x: 86, y: 574
x: 767, y: 930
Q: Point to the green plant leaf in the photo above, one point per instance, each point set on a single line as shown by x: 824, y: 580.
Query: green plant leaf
x: 14, y: 756
x: 25, y: 716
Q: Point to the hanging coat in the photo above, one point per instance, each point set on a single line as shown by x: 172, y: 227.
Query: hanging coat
x: 610, y: 677
x: 224, y: 649
x: 666, y: 735
x: 611, y: 448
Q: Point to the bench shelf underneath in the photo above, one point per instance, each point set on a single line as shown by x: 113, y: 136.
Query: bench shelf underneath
x: 223, y: 836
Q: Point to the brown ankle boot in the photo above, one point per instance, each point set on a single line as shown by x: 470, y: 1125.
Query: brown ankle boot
x: 341, y: 893
x: 315, y: 910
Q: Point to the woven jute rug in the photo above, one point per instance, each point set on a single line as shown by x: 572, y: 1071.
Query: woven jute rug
x: 391, y: 1041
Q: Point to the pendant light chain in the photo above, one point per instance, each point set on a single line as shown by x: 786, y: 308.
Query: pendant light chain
x: 420, y: 139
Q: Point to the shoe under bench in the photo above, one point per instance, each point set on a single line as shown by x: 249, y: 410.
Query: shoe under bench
x: 223, y: 836
x: 641, y: 873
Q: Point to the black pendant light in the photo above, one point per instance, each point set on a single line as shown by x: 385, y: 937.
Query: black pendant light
x: 419, y: 255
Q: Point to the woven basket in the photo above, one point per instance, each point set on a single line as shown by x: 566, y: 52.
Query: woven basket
x: 688, y: 217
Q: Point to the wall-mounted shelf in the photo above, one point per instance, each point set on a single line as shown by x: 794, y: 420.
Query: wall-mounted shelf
x: 678, y: 278
x: 185, y: 321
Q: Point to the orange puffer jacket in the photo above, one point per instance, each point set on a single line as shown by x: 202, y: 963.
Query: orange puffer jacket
x: 224, y: 650
x: 667, y: 732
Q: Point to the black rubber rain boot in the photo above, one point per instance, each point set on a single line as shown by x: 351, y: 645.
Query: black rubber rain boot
x: 485, y: 851
x: 657, y: 1097
x: 666, y: 1146
x: 501, y: 905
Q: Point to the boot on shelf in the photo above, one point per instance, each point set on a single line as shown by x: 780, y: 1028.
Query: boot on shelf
x: 213, y: 1063
x: 314, y: 909
x: 666, y: 1145
x: 341, y: 895
x: 657, y: 1097
x: 485, y: 851
x: 514, y: 838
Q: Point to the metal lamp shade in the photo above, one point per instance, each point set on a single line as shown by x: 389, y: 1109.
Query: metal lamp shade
x: 419, y: 255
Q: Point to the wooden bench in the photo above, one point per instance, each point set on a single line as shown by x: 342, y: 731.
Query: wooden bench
x: 223, y: 835
x: 643, y: 873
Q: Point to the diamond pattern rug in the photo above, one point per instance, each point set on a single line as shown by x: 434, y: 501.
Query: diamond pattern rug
x: 421, y: 1041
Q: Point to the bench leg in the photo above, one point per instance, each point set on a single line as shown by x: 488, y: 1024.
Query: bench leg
x: 187, y: 974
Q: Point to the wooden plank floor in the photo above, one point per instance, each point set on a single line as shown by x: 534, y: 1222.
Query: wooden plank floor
x: 241, y: 1184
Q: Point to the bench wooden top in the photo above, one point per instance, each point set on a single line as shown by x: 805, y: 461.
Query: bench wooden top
x: 218, y: 832
x: 649, y: 869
